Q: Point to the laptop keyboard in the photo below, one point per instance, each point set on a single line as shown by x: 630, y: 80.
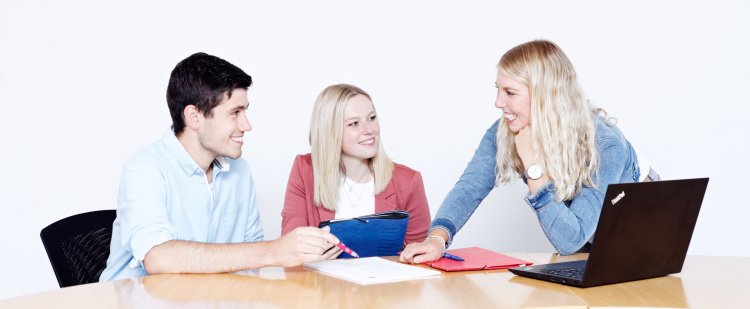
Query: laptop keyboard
x: 575, y: 273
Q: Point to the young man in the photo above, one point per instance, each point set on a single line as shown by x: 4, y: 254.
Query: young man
x: 187, y: 203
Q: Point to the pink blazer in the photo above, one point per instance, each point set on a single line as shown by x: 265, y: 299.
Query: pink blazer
x: 404, y: 192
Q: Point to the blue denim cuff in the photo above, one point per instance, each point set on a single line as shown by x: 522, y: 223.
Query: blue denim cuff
x: 542, y: 197
x: 445, y: 225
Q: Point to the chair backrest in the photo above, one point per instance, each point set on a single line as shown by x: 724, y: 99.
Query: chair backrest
x: 78, y: 246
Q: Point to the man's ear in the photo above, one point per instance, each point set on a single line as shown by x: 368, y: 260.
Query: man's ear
x: 191, y: 115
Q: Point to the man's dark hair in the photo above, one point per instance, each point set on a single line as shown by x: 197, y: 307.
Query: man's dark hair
x: 202, y: 80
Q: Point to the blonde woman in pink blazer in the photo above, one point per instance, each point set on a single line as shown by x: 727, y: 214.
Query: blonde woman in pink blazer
x: 347, y: 174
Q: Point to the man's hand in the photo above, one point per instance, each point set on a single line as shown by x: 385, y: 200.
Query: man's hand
x: 305, y: 244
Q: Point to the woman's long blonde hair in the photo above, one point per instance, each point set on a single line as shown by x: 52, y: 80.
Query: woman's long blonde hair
x: 326, y: 130
x: 562, y: 121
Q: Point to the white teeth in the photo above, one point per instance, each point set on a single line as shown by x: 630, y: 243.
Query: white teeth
x: 510, y: 117
x: 237, y: 139
x: 367, y: 142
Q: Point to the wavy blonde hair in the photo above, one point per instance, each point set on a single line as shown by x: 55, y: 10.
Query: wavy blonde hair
x: 326, y: 135
x: 562, y: 121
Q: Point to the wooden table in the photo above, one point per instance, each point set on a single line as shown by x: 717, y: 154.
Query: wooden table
x: 706, y: 282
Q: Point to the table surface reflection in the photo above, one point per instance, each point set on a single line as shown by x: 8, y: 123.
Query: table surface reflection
x: 705, y: 282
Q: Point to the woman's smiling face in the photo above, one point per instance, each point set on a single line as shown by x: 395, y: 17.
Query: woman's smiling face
x: 514, y: 99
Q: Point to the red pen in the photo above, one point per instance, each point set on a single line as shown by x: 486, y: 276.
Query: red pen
x: 347, y: 249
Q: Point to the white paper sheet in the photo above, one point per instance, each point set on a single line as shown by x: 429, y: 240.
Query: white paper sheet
x: 371, y: 270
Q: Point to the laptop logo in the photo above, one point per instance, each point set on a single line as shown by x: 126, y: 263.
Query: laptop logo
x: 618, y: 198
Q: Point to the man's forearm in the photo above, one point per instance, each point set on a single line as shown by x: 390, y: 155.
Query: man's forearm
x: 180, y: 256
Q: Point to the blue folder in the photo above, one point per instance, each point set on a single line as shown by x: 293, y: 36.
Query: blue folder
x: 380, y: 234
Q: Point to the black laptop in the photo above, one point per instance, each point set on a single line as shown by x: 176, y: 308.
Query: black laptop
x: 644, y: 231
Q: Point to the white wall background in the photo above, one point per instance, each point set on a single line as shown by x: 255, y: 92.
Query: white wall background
x: 82, y: 87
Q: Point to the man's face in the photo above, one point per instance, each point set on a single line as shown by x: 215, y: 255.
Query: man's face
x: 222, y: 134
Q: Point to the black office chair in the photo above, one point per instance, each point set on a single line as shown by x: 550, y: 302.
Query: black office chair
x: 78, y: 246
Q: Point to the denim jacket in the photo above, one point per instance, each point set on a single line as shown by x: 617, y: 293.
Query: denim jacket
x: 569, y: 224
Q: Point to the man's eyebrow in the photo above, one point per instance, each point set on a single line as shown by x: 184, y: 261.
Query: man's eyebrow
x: 239, y: 107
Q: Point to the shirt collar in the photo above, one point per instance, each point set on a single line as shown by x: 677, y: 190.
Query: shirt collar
x: 183, y: 158
x: 222, y: 164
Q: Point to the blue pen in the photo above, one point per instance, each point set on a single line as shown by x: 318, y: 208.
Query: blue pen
x: 452, y: 257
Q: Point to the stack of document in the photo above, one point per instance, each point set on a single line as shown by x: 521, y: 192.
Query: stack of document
x: 371, y: 270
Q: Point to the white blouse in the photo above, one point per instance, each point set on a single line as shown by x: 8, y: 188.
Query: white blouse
x: 355, y: 199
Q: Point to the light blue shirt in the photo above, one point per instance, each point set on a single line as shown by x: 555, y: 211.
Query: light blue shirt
x: 164, y: 195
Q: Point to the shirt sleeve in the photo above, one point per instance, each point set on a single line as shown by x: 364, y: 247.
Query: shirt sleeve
x: 294, y: 213
x: 254, y: 227
x: 477, y: 180
x: 570, y: 225
x: 419, y: 210
x: 142, y: 209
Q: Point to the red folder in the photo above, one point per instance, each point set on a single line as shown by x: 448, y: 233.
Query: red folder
x: 476, y: 258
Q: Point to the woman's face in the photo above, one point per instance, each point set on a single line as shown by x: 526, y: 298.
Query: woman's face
x: 514, y: 99
x: 361, y: 130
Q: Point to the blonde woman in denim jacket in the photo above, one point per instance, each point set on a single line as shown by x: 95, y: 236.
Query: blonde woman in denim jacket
x: 566, y: 151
